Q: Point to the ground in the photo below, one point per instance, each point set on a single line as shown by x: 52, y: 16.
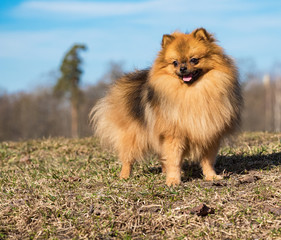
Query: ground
x: 70, y: 189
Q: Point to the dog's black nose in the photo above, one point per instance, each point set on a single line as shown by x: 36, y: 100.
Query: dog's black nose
x: 183, y: 69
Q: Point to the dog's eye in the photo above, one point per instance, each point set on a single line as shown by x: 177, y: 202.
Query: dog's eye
x: 194, y: 60
x: 175, y: 63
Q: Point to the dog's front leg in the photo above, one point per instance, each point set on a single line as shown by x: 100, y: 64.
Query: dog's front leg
x: 172, y: 155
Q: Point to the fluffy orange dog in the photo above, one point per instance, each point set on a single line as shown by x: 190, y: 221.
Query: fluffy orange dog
x: 182, y: 107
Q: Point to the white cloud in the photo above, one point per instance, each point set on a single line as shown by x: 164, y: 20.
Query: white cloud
x: 87, y: 9
x: 93, y: 9
x: 29, y: 44
x: 237, y: 15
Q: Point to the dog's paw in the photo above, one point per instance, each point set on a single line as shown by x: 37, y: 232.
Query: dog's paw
x: 213, y: 177
x: 125, y: 171
x: 173, y: 182
x: 124, y: 175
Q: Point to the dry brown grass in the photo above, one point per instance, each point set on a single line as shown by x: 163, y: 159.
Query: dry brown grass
x: 69, y: 189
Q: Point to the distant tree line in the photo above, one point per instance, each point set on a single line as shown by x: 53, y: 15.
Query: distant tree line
x: 48, y: 112
x: 40, y: 114
x: 262, y: 110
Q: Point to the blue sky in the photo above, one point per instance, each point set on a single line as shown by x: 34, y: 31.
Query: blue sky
x: 34, y: 35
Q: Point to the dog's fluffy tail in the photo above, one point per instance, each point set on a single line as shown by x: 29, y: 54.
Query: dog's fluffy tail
x: 101, y: 125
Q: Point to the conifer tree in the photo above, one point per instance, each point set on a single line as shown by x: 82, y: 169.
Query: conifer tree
x: 69, y: 81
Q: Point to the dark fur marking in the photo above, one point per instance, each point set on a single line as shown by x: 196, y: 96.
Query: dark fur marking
x: 161, y: 138
x: 152, y: 96
x: 150, y: 93
x: 135, y: 99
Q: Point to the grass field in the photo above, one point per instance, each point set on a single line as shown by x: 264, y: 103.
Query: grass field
x: 69, y: 189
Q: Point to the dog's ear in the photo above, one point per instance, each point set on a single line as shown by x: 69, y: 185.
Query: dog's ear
x: 167, y: 39
x: 202, y: 35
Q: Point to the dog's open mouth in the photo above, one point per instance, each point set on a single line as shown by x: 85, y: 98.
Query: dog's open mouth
x: 192, y: 76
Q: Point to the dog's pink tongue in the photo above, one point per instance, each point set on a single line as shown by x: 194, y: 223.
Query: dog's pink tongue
x: 187, y: 78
